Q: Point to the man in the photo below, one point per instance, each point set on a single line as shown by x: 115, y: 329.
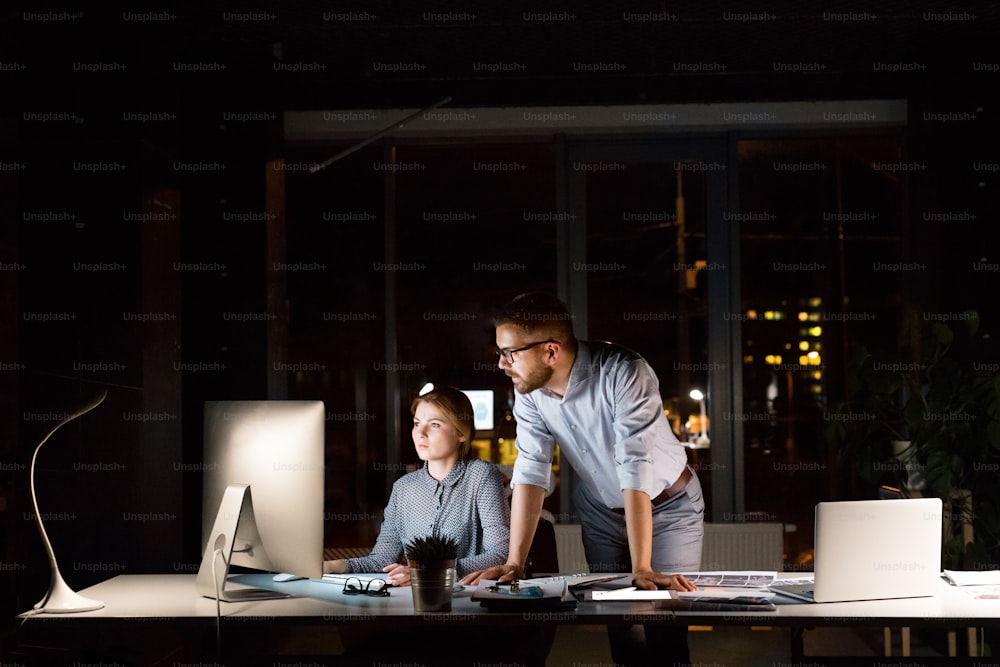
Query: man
x: 640, y: 505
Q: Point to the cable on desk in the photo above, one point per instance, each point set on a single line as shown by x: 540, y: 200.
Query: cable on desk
x: 218, y: 608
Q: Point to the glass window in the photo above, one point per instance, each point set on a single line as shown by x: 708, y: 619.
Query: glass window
x: 426, y: 243
x: 336, y: 326
x: 475, y: 225
x: 646, y: 275
x: 819, y: 224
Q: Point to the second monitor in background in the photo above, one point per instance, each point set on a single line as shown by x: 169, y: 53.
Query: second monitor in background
x: 482, y: 408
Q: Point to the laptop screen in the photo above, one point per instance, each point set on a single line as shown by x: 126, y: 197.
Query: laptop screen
x: 877, y: 549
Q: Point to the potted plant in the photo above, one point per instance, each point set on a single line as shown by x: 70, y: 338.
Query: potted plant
x: 432, y: 571
x: 941, y: 408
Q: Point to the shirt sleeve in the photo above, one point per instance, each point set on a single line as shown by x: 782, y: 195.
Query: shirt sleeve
x: 535, y: 446
x: 637, y: 407
x: 493, y: 518
x: 389, y: 545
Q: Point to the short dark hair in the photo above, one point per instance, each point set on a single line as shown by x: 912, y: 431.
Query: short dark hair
x: 538, y: 312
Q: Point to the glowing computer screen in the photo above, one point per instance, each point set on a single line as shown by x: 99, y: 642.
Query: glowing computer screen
x: 482, y: 408
x: 263, y: 490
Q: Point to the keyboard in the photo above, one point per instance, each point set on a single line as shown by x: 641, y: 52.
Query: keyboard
x: 576, y: 580
x: 339, y: 579
x: 803, y: 592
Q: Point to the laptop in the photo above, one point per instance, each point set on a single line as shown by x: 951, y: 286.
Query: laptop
x: 873, y: 550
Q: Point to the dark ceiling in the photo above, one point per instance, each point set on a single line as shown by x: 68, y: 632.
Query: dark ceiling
x: 313, y: 55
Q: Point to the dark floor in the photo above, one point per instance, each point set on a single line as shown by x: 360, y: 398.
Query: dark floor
x: 574, y: 646
x: 587, y: 646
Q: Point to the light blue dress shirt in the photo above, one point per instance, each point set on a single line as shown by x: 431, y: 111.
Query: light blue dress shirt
x: 610, y: 427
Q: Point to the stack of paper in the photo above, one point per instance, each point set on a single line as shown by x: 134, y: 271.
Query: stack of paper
x: 578, y: 580
x: 972, y: 577
x: 977, y: 584
x: 746, y: 591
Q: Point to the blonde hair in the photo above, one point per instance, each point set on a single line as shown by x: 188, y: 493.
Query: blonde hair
x: 457, y: 410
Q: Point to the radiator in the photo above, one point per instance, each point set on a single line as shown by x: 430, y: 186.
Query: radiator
x: 727, y: 546
x: 569, y: 548
x: 743, y: 546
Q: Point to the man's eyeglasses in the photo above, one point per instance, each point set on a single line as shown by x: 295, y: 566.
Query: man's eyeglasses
x: 374, y: 587
x: 508, y: 355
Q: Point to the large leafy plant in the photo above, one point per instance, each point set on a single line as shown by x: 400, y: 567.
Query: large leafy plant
x: 934, y: 394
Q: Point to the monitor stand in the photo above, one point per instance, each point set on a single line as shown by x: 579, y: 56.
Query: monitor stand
x: 234, y: 524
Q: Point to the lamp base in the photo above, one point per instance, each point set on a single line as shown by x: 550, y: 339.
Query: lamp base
x: 698, y: 442
x: 61, y: 599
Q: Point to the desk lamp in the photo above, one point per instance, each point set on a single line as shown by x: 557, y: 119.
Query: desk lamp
x: 701, y: 440
x: 61, y: 599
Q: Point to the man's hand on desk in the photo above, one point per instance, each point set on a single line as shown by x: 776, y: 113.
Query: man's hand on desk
x: 646, y: 580
x: 505, y: 572
x: 650, y: 581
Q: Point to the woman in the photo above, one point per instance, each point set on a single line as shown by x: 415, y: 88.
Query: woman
x: 451, y: 495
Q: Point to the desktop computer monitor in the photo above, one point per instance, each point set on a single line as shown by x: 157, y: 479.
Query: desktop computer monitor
x: 482, y: 408
x: 262, y: 492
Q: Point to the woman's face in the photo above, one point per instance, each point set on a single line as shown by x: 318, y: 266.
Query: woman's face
x: 433, y: 436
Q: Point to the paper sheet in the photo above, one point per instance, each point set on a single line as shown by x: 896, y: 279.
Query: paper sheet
x: 973, y: 577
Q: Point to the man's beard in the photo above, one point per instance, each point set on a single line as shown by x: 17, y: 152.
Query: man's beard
x: 536, y: 379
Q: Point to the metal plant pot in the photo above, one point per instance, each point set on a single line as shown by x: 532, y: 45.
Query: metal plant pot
x: 432, y: 585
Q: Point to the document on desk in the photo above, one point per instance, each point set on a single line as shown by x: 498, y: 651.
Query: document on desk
x: 972, y: 577
x: 579, y: 581
x: 735, y: 579
x: 719, y: 586
x: 982, y: 592
x: 710, y: 593
x: 977, y: 584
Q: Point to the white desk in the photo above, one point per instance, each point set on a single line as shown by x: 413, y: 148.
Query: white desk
x: 174, y: 596
x: 949, y: 607
x: 171, y: 601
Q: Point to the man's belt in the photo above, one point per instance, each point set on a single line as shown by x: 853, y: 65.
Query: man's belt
x: 668, y: 492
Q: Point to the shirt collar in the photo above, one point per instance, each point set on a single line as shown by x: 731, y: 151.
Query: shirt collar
x: 451, y: 479
x: 581, y: 370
